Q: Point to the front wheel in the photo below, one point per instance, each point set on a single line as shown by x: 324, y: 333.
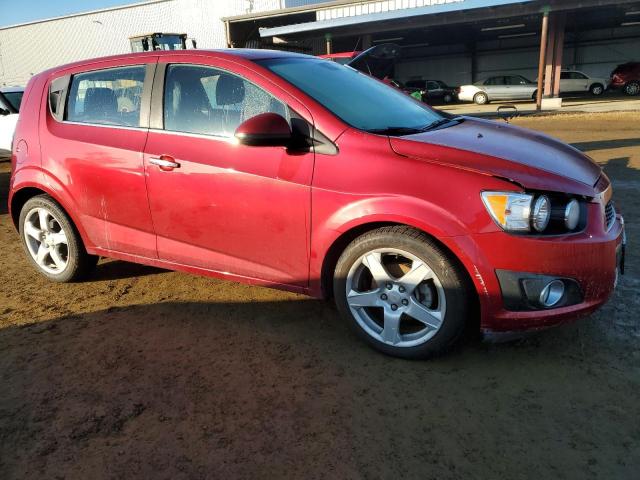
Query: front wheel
x: 448, y: 98
x: 401, y: 292
x: 632, y: 88
x: 51, y: 242
x: 596, y: 89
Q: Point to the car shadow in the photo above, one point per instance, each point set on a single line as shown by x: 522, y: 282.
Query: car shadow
x: 607, y: 144
x: 5, y: 177
x: 275, y: 389
x: 109, y: 269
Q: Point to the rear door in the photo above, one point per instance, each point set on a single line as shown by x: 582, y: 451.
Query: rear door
x: 224, y: 206
x: 496, y: 88
x: 92, y: 139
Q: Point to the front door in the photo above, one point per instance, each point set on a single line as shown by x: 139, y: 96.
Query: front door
x: 217, y: 204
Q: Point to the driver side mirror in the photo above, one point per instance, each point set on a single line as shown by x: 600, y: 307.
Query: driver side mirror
x: 4, y: 112
x: 265, y: 130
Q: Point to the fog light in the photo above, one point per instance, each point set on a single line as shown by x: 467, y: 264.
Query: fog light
x: 552, y: 293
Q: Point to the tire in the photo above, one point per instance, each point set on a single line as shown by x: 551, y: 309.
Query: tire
x: 447, y: 98
x: 55, y: 250
x: 481, y: 98
x: 534, y: 97
x: 415, y: 316
x: 632, y: 88
x: 596, y: 89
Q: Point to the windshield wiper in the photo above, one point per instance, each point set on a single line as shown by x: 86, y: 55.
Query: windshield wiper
x: 399, y: 131
x: 395, y: 131
x: 443, y: 122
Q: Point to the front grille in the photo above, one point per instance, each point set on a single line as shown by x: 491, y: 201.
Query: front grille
x: 609, y: 214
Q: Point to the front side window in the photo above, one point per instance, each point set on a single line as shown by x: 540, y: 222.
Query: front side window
x: 209, y: 101
x: 358, y: 99
x: 107, y: 97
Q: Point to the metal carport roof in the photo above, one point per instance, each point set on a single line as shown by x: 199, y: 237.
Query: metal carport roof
x: 399, y: 14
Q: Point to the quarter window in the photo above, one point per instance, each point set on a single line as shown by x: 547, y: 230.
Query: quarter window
x: 107, y: 97
x: 209, y: 101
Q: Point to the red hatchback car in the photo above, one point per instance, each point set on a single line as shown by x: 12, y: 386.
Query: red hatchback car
x: 627, y: 78
x: 293, y: 172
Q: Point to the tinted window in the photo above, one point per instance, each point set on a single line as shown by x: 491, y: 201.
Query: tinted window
x: 14, y: 98
x: 515, y: 81
x: 433, y: 86
x: 494, y: 81
x: 415, y: 84
x: 356, y: 98
x: 213, y: 102
x: 107, y: 97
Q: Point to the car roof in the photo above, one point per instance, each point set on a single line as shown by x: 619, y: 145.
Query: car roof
x: 11, y: 89
x: 229, y: 54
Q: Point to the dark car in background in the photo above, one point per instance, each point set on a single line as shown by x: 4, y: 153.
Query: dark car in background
x: 627, y: 78
x: 433, y: 91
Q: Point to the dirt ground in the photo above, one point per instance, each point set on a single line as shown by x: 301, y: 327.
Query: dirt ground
x: 144, y: 373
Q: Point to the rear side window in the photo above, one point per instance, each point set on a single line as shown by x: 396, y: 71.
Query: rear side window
x: 495, y: 81
x: 15, y: 99
x: 209, y: 101
x: 107, y: 97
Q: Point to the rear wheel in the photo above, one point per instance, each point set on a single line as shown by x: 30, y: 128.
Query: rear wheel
x: 596, y: 89
x: 632, y: 88
x: 401, y: 292
x: 51, y: 242
x: 481, y: 98
x: 448, y: 98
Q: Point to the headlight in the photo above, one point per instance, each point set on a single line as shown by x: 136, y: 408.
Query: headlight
x: 549, y: 213
x: 541, y: 213
x: 512, y: 211
x: 572, y: 215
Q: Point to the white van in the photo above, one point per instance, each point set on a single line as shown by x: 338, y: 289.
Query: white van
x: 10, y: 99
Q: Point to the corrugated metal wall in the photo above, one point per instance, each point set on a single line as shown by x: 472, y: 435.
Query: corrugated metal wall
x: 595, y: 55
x: 29, y: 49
x: 366, y: 8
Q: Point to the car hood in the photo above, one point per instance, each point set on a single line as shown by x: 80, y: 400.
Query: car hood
x: 529, y: 158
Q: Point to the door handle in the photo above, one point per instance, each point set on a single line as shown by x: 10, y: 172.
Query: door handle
x: 165, y: 162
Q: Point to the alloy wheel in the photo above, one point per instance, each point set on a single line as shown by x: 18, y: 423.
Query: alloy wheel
x: 632, y: 88
x: 395, y: 297
x: 46, y: 240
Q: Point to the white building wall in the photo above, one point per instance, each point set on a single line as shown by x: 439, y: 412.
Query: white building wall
x: 32, y: 48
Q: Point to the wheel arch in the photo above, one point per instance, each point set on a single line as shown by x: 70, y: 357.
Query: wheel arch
x: 21, y: 195
x: 338, y: 246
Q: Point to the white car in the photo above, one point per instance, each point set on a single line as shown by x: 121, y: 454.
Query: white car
x: 499, y: 87
x: 572, y: 81
x: 10, y: 99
